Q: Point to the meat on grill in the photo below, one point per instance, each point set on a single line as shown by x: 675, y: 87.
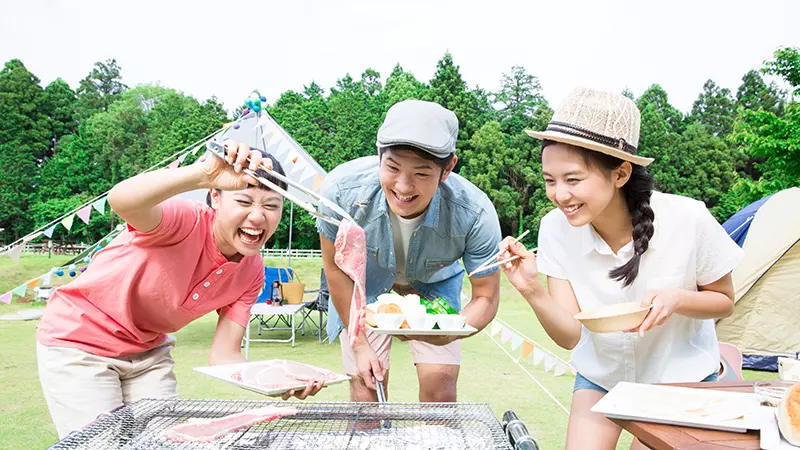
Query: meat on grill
x: 279, y: 374
x: 207, y: 430
x: 351, y: 257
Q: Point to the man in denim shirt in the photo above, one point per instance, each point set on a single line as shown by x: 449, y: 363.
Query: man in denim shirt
x: 420, y: 219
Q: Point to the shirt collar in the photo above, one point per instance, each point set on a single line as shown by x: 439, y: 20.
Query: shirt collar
x: 430, y: 218
x: 591, y: 240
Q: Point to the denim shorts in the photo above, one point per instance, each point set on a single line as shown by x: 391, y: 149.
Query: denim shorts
x: 582, y: 383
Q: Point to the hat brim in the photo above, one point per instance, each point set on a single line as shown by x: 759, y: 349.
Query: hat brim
x: 591, y: 145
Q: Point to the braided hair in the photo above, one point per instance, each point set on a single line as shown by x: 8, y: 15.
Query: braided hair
x: 637, y: 192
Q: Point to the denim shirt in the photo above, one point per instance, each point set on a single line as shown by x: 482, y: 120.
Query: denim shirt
x: 460, y: 223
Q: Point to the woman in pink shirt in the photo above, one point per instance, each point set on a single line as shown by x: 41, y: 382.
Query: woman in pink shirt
x: 103, y: 339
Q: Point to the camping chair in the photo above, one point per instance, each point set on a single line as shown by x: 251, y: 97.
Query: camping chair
x: 274, y: 322
x: 320, y: 304
x: 730, y: 364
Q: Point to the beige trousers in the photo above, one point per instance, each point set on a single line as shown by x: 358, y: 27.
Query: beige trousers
x: 79, y: 386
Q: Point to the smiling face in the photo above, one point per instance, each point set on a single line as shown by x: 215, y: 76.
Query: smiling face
x: 245, y: 220
x: 581, y: 191
x: 410, y: 181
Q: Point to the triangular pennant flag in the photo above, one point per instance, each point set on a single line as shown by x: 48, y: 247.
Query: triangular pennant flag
x: 173, y: 164
x: 299, y: 167
x: 516, y: 341
x: 14, y: 253
x: 318, y: 182
x: 527, y: 348
x: 49, y: 232
x: 294, y: 156
x: 538, y: 356
x: 47, y: 279
x: 182, y: 157
x: 32, y: 283
x: 20, y: 290
x: 308, y: 172
x: 198, y: 148
x: 31, y: 237
x: 84, y: 213
x: 496, y: 327
x: 6, y: 298
x: 100, y: 205
x: 560, y: 369
x: 505, y: 335
x: 549, y: 362
x: 67, y: 221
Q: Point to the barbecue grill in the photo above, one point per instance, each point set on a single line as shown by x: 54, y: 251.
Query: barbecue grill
x: 317, y: 425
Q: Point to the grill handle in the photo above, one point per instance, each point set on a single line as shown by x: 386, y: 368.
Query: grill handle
x: 516, y: 432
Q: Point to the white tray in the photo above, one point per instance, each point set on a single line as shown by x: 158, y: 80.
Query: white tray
x: 688, y: 407
x: 224, y: 372
x: 467, y: 330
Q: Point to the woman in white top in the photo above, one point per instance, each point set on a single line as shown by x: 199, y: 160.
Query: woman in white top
x: 610, y: 240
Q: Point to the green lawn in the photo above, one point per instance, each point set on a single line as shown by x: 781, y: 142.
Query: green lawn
x: 487, y: 373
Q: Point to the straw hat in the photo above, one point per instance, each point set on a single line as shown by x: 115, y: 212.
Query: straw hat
x: 601, y: 121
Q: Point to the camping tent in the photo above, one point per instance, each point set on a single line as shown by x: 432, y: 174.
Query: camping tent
x: 766, y: 321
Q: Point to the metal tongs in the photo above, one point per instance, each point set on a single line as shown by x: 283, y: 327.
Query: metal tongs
x: 220, y: 151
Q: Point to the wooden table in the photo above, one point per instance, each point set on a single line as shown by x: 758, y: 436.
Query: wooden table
x: 669, y: 437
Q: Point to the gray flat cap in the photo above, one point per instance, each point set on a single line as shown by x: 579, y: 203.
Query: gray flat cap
x: 425, y: 125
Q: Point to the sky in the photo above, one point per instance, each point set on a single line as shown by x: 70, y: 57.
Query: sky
x: 228, y: 48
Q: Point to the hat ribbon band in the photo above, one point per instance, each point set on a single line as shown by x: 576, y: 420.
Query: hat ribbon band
x: 567, y: 128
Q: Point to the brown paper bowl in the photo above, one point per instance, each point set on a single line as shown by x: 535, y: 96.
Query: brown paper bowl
x: 613, y: 318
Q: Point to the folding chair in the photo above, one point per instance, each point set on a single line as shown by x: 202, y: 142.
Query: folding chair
x: 320, y: 305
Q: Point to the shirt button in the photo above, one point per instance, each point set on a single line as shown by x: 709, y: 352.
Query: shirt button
x: 411, y: 260
x: 206, y: 284
x: 219, y: 272
x: 385, y: 290
x: 195, y: 296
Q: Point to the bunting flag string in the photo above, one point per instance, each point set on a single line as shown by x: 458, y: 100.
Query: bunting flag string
x: 99, y: 202
x: 6, y: 298
x: 526, y: 350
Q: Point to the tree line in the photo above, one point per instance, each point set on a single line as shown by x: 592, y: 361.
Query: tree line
x: 61, y: 147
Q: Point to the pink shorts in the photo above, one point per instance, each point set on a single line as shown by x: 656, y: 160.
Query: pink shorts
x: 421, y: 352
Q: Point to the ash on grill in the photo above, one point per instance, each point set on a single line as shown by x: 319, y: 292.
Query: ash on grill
x: 317, y: 425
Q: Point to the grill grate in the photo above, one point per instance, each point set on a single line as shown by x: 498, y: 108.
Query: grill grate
x: 318, y: 425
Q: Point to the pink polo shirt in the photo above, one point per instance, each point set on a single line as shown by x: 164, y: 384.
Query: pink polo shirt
x: 144, y: 285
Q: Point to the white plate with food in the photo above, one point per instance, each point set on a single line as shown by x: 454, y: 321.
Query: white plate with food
x: 272, y: 377
x: 673, y: 405
x: 399, y: 315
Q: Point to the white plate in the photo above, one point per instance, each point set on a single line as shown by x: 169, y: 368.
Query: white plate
x: 771, y: 438
x: 467, y: 330
x: 688, y: 407
x: 224, y: 372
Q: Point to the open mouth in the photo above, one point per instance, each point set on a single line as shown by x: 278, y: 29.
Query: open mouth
x: 404, y: 199
x: 571, y: 210
x: 250, y: 236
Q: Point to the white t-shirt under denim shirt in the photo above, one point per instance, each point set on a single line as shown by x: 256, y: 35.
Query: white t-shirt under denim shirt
x: 401, y: 233
x: 688, y: 248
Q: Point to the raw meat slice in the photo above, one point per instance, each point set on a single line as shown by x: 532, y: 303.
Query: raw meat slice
x: 278, y: 374
x: 305, y: 373
x: 275, y: 377
x: 351, y: 257
x: 207, y: 430
x: 249, y: 373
